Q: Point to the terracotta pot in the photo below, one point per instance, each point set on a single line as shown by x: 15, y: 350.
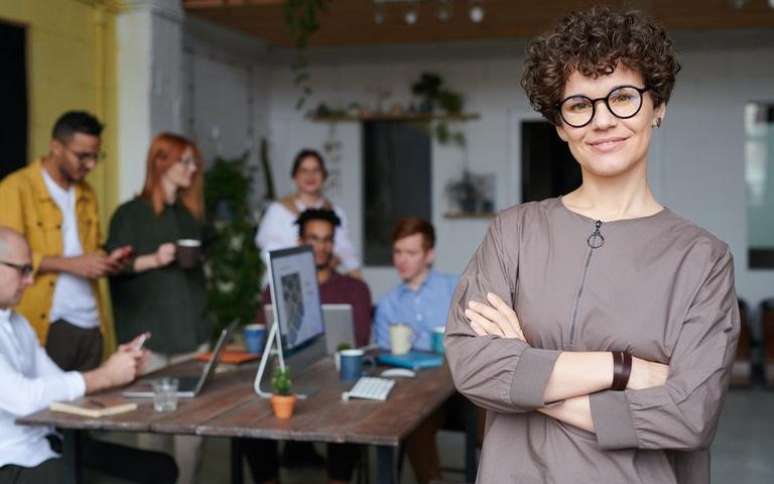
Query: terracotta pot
x: 283, y: 405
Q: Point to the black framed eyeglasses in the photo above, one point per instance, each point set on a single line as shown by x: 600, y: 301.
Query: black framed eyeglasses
x: 87, y: 156
x: 24, y: 269
x: 623, y: 102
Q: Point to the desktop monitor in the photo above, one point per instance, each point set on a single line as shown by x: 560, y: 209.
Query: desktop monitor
x: 296, y: 293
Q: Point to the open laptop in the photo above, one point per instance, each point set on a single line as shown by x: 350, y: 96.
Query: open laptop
x: 188, y: 387
x: 339, y: 325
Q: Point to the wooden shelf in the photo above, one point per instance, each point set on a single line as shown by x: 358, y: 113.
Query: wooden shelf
x: 472, y: 215
x: 407, y: 117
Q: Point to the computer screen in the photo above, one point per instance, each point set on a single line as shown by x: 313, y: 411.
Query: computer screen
x: 294, y: 289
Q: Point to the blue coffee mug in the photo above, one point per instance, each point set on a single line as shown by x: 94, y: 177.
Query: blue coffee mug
x: 352, y: 362
x: 437, y: 339
x: 255, y: 337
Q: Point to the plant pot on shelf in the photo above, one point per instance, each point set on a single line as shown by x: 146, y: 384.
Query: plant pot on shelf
x: 283, y: 405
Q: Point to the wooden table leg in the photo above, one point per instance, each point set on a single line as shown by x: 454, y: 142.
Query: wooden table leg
x: 236, y: 462
x: 71, y: 445
x: 385, y: 465
x: 471, y: 441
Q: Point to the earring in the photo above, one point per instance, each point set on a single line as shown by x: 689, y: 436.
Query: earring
x: 656, y: 123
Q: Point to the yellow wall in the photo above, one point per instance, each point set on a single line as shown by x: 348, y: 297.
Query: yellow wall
x: 71, y: 65
x: 71, y: 58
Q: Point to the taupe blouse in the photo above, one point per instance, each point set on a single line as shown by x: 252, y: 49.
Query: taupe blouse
x: 659, y: 287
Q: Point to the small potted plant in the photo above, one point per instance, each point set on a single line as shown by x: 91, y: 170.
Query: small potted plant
x: 282, y: 401
x: 337, y: 356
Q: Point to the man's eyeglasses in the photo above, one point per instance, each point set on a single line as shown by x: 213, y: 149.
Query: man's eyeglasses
x: 623, y: 102
x: 86, y: 156
x: 24, y: 269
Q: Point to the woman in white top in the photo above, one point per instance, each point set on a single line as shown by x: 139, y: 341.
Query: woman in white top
x: 278, y: 229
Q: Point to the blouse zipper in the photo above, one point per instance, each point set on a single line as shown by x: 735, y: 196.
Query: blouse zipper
x: 594, y: 241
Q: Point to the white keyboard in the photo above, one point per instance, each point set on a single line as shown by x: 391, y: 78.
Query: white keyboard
x: 370, y: 388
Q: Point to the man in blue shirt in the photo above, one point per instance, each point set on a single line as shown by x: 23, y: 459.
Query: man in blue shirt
x: 422, y: 302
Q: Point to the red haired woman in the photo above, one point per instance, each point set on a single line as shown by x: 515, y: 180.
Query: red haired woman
x: 156, y: 294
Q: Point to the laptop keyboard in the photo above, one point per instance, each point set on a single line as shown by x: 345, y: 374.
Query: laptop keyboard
x: 370, y: 388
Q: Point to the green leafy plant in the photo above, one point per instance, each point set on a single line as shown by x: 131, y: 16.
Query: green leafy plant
x: 433, y: 93
x: 234, y: 265
x: 301, y: 17
x: 281, y: 381
x: 343, y: 346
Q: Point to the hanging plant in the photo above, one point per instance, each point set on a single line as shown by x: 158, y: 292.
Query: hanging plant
x: 434, y: 95
x: 301, y: 17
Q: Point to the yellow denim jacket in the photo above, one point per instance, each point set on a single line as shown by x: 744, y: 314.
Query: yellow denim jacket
x: 26, y: 206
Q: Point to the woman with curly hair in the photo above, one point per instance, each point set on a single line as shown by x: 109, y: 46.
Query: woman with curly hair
x: 597, y: 328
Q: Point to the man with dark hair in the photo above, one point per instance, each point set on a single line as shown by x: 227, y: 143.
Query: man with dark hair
x: 317, y: 228
x: 74, y: 122
x: 54, y: 208
x: 421, y: 301
x: 30, y: 382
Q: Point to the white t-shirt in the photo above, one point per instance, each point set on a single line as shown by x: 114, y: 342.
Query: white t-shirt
x: 74, y: 299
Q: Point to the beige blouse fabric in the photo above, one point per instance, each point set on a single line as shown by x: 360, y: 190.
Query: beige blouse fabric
x: 659, y: 287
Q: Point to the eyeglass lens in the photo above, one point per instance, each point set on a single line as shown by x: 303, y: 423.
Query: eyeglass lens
x: 623, y: 102
x: 24, y: 269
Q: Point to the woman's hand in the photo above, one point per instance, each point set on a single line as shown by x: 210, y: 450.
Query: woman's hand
x: 647, y: 374
x: 496, y: 318
x: 165, y: 254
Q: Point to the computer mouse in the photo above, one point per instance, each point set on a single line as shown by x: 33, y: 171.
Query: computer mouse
x: 398, y: 373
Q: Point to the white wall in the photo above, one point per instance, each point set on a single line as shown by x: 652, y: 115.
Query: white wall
x: 697, y: 157
x: 226, y: 91
x: 245, y: 89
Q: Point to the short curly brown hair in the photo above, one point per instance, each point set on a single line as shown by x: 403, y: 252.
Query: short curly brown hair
x: 594, y: 42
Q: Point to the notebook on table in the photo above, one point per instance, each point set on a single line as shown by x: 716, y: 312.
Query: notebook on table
x: 94, y: 407
x: 413, y: 360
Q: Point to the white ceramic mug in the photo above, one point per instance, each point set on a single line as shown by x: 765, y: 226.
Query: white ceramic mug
x: 401, y: 338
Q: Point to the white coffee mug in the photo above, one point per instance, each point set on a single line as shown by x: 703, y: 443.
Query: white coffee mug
x: 401, y: 338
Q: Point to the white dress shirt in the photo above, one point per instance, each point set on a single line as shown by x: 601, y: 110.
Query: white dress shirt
x: 73, y: 299
x: 29, y: 381
x: 278, y: 231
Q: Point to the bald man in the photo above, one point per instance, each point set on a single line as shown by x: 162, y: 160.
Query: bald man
x: 26, y: 453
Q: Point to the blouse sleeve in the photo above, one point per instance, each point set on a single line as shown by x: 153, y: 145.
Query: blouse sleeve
x: 273, y: 232
x: 683, y: 413
x: 504, y: 375
x: 122, y: 231
x: 343, y: 246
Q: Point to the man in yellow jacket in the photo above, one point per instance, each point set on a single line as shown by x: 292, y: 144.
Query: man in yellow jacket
x: 52, y: 205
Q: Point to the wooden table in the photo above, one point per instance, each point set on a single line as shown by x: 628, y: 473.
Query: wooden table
x: 228, y: 407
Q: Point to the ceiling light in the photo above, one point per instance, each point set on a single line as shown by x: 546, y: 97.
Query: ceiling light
x: 476, y: 13
x: 445, y: 10
x: 411, y: 16
x: 379, y: 14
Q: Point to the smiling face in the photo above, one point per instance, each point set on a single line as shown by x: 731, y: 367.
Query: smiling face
x: 320, y: 235
x: 609, y: 146
x: 309, y: 176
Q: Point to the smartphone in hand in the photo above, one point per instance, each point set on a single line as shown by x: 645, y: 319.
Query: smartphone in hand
x: 140, y: 340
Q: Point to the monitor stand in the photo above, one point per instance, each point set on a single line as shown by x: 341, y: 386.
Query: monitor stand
x: 301, y: 359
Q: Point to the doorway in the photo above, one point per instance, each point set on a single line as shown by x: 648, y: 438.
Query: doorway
x: 13, y: 98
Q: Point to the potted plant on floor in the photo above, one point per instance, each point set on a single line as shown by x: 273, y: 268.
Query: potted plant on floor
x: 282, y: 401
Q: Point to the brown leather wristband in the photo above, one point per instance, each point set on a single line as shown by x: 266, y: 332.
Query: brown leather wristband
x: 622, y: 369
